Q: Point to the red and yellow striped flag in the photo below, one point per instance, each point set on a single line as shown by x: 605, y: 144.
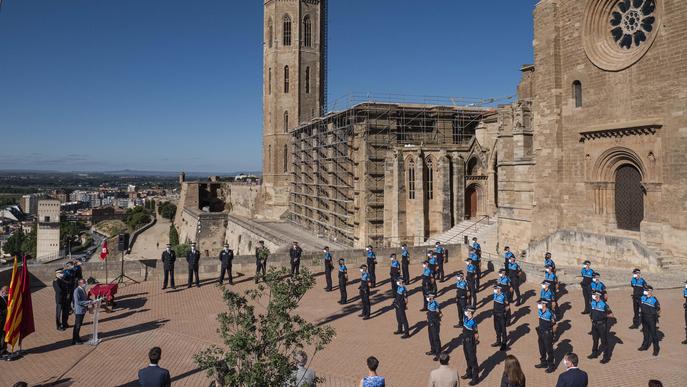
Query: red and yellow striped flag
x: 19, y: 322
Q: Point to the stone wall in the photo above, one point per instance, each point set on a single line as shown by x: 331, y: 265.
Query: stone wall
x: 243, y: 238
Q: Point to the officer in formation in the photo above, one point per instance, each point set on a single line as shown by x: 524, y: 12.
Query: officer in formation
x: 638, y: 286
x: 328, y: 267
x: 501, y: 311
x: 226, y: 256
x: 650, y: 310
x: 394, y: 272
x: 440, y: 253
x: 507, y: 255
x: 400, y: 304
x: 433, y: 326
x: 549, y: 262
x: 551, y: 277
x: 473, y: 280
x: 475, y: 259
x: 514, y: 273
x: 586, y: 284
x: 549, y: 296
x: 364, y: 288
x: 547, y: 321
x: 426, y: 284
x: 261, y: 255
x: 462, y: 294
x: 405, y: 263
x: 343, y: 279
x: 432, y: 261
x: 470, y: 338
x: 193, y: 259
x: 371, y: 263
x: 168, y: 258
x: 506, y: 289
x: 684, y: 295
x: 598, y: 286
x: 295, y: 254
x: 600, y: 313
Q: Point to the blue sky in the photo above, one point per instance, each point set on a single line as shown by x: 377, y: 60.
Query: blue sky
x: 175, y: 85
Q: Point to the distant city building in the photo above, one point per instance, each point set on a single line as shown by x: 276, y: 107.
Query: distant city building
x: 11, y: 214
x: 29, y: 204
x: 48, y: 235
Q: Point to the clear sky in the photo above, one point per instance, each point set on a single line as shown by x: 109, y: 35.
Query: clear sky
x: 173, y: 85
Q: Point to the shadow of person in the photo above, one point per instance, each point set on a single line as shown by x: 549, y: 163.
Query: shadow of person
x: 453, y: 344
x: 564, y: 307
x: 562, y: 290
x: 528, y: 294
x: 491, y: 362
x: 561, y: 328
x: 562, y: 348
x: 613, y: 340
x: 519, y: 332
x: 520, y: 313
x: 417, y: 327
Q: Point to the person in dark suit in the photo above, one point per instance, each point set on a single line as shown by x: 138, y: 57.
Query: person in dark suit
x: 3, y: 317
x: 226, y: 256
x: 80, y: 306
x: 60, y: 287
x: 168, y: 258
x: 193, y: 258
x: 154, y: 375
x: 261, y: 255
x: 573, y: 376
x: 295, y: 254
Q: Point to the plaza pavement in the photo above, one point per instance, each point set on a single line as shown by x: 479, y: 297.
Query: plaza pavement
x: 183, y: 321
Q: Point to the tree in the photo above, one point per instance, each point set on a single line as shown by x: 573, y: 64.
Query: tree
x: 167, y: 210
x: 13, y: 244
x: 136, y: 217
x: 173, y: 235
x: 182, y: 250
x: 259, y: 348
x: 30, y: 242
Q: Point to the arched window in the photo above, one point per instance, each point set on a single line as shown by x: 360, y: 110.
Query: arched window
x: 286, y: 79
x: 286, y: 121
x: 269, y: 81
x: 411, y: 180
x: 270, y: 33
x: 307, y: 80
x: 429, y: 179
x: 577, y: 93
x: 287, y: 30
x: 286, y: 158
x: 307, y: 31
x: 629, y: 198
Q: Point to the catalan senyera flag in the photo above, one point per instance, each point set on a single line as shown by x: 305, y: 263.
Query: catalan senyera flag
x: 19, y: 323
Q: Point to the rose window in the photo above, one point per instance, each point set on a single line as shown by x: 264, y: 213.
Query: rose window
x: 632, y: 21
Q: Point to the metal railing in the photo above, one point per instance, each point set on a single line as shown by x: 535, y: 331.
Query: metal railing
x: 466, y: 229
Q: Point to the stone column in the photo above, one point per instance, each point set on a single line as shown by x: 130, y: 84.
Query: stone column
x: 442, y: 216
x: 420, y: 198
x: 458, y: 187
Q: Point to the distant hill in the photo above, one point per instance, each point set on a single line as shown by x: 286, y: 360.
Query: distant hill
x: 128, y: 172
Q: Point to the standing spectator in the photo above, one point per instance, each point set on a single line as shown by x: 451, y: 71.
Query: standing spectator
x: 61, y: 307
x: 302, y: 376
x: 444, y: 376
x: 80, y: 305
x: 154, y: 375
x: 3, y: 317
x: 295, y: 254
x: 655, y: 383
x: 512, y: 373
x: 573, y: 376
x: 372, y: 379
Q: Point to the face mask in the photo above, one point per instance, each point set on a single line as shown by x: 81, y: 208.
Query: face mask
x: 539, y: 306
x: 361, y: 270
x: 496, y: 292
x: 595, y: 280
x: 428, y: 300
x: 467, y: 314
x: 461, y: 278
x: 543, y: 286
x: 596, y: 299
x: 425, y: 266
x: 368, y: 249
x: 635, y: 275
x: 685, y: 286
x: 646, y: 293
x: 500, y: 275
x: 324, y: 251
x: 398, y: 284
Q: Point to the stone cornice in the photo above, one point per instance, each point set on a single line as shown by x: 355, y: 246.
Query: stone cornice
x: 623, y: 129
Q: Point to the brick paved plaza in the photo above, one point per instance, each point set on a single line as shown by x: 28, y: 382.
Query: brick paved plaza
x: 183, y: 321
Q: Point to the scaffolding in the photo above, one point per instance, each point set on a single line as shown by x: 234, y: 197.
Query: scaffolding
x: 338, y: 162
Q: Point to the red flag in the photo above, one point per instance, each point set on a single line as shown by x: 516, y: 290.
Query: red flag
x: 19, y: 323
x: 104, y: 252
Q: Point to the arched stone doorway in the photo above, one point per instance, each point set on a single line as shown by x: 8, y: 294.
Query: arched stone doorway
x: 471, y: 202
x: 629, y: 198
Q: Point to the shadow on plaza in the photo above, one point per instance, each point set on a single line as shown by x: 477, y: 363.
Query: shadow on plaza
x: 176, y: 378
x: 61, y: 383
x: 104, y: 336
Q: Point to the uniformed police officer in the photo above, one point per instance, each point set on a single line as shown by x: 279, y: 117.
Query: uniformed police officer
x: 473, y: 281
x: 193, y: 259
x: 462, y: 293
x: 638, y: 285
x: 295, y: 254
x: 549, y: 296
x: 226, y: 256
x: 364, y: 288
x: 426, y: 284
x: 598, y: 286
x: 470, y: 338
x: 500, y: 312
x: 549, y: 262
x: 261, y: 255
x: 328, y: 267
x: 551, y: 277
x: 440, y: 253
x: 400, y: 305
x: 343, y: 279
x: 371, y: 263
x: 433, y: 326
x: 405, y: 263
x: 432, y: 260
x: 168, y: 258
x: 506, y: 289
x: 547, y: 321
x: 477, y: 262
x: 507, y: 255
x: 684, y: 295
x: 600, y: 312
x: 587, y: 274
x: 650, y: 312
x: 394, y: 272
x: 514, y: 276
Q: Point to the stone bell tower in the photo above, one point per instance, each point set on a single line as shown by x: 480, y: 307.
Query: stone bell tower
x: 294, y: 86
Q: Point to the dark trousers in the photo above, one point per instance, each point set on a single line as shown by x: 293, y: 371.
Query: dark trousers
x: 3, y: 344
x: 260, y: 267
x: 328, y: 276
x: 405, y: 268
x: 440, y: 268
x: 462, y: 304
x: 600, y: 332
x: 545, y: 341
x: 226, y: 269
x: 371, y: 270
x: 649, y: 330
x: 169, y: 275
x: 61, y: 315
x: 365, y: 298
x: 401, y: 319
x: 473, y: 292
x: 342, y: 290
x: 193, y: 270
x: 515, y: 283
x: 77, y: 328
x: 434, y: 338
x: 500, y: 328
x: 587, y: 294
x: 636, y: 302
x: 470, y: 351
x: 479, y: 272
x: 295, y: 266
x: 433, y: 269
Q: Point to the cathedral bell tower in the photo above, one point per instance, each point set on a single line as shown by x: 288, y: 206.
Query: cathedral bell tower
x: 294, y: 86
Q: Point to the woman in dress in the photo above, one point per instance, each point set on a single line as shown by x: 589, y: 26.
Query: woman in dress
x: 372, y: 379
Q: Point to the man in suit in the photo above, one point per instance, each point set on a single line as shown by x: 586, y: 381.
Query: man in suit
x: 573, y: 376
x: 193, y: 258
x: 80, y: 306
x: 226, y: 256
x: 295, y: 254
x: 154, y: 375
x: 444, y: 376
x: 3, y: 317
x: 168, y: 258
x: 60, y: 287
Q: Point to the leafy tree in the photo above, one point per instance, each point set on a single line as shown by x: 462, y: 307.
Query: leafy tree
x: 13, y: 244
x: 182, y: 250
x: 136, y: 217
x: 167, y: 210
x: 259, y: 348
x: 71, y: 228
x: 173, y: 235
x: 30, y: 242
